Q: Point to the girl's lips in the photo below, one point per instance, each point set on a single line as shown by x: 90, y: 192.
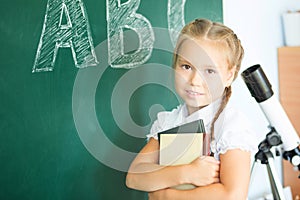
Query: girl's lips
x: 193, y: 93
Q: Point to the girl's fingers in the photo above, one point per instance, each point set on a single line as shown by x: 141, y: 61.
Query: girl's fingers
x: 210, y: 159
x: 216, y: 180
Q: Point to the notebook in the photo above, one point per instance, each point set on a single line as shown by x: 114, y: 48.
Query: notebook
x: 182, y: 145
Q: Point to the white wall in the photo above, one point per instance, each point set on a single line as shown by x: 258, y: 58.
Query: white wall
x: 258, y: 24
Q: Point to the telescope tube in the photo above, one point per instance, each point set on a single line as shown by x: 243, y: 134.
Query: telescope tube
x: 261, y: 89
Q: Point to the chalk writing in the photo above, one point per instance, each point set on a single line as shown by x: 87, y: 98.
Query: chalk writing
x: 65, y: 26
x: 121, y: 16
x: 175, y: 18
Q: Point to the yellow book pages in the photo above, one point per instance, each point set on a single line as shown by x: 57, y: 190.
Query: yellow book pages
x: 177, y: 149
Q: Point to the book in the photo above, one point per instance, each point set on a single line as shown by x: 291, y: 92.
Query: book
x: 182, y: 145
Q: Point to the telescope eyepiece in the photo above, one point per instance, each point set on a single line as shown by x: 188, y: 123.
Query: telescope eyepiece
x: 257, y: 83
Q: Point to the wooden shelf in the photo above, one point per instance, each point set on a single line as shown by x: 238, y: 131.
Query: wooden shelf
x: 289, y: 91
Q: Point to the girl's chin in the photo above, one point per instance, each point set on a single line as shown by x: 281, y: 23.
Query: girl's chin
x: 196, y: 102
x: 195, y: 107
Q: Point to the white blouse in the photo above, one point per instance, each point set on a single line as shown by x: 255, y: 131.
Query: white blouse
x: 231, y: 130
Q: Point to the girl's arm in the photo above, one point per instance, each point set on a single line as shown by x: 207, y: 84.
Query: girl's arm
x: 146, y: 175
x: 234, y: 181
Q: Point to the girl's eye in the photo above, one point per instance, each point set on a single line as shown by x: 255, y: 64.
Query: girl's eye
x: 186, y: 67
x: 210, y: 71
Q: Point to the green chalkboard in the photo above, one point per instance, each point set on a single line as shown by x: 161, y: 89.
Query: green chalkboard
x: 78, y: 94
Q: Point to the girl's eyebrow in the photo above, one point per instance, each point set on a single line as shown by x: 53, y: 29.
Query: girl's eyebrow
x: 181, y: 59
x: 210, y: 66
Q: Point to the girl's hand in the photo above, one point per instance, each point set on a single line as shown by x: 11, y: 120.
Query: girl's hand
x: 204, y: 171
x: 157, y: 195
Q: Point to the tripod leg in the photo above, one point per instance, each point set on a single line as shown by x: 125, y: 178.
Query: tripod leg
x: 276, y: 186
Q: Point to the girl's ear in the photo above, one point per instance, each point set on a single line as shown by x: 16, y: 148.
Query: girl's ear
x: 230, y: 76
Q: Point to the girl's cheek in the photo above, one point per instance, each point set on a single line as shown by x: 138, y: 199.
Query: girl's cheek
x: 215, y: 87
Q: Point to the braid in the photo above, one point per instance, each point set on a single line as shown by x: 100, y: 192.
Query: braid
x: 225, y: 99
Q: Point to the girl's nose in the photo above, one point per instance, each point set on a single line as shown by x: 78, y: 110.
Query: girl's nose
x: 196, y: 78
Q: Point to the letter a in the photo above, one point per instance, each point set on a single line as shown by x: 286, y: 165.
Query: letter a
x: 74, y: 33
x: 120, y: 16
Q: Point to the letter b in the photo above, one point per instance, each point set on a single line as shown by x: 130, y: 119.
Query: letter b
x: 120, y: 16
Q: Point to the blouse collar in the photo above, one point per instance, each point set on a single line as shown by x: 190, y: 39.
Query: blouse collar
x: 206, y: 114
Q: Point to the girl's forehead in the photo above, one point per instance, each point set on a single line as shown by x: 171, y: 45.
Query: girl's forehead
x: 202, y: 53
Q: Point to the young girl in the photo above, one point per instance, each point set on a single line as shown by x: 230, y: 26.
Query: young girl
x: 207, y: 59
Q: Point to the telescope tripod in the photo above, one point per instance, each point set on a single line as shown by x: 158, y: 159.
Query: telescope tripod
x: 265, y: 156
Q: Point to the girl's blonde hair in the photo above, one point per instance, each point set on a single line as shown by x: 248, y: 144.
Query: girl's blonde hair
x: 226, y: 40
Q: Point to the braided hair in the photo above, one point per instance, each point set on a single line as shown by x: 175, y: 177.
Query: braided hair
x: 226, y: 40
